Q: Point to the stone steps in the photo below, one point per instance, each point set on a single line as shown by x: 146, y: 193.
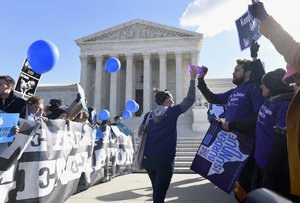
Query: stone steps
x: 186, y: 150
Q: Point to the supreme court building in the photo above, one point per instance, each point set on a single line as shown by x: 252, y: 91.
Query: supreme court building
x: 151, y: 55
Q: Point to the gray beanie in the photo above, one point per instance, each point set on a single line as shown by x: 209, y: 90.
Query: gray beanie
x: 273, y: 81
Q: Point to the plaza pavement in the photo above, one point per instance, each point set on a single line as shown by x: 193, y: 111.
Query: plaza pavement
x: 136, y: 188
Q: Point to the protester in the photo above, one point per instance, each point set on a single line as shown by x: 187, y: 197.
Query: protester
x: 282, y: 40
x: 243, y: 104
x: 272, y: 113
x: 56, y: 109
x: 257, y: 69
x: 9, y: 102
x: 82, y: 117
x: 160, y: 146
x: 293, y: 131
x: 53, y: 105
x: 92, y: 116
x: 117, y: 119
x: 35, y: 108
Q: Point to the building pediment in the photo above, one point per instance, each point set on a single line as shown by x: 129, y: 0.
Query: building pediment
x: 138, y: 29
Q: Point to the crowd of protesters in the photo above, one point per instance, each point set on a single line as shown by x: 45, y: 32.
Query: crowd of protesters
x: 34, y: 109
x: 263, y: 106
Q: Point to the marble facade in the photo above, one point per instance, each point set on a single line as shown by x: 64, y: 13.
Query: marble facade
x: 151, y: 55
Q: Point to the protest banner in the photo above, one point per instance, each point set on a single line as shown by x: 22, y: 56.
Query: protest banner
x: 221, y: 156
x: 247, y: 28
x: 50, y: 161
x: 7, y: 122
x: 28, y: 81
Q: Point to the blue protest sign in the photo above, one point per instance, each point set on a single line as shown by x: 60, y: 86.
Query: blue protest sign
x: 7, y: 122
x: 99, y: 134
x: 124, y: 129
x: 248, y: 30
x: 222, y: 156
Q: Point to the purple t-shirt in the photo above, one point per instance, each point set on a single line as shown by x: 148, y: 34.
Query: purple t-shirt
x: 242, y: 102
x: 270, y: 114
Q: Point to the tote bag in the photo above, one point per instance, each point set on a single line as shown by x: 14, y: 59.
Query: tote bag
x: 138, y: 158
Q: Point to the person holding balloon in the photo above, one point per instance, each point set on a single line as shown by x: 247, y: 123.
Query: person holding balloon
x: 160, y: 146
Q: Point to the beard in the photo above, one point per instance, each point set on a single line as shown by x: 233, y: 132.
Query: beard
x: 238, y: 81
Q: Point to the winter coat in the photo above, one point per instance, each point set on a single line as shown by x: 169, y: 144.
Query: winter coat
x: 162, y: 129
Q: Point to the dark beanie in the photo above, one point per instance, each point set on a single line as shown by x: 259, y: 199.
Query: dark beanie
x: 273, y: 81
x: 56, y: 113
x: 161, y: 96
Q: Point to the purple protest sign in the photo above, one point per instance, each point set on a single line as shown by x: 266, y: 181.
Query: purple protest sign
x: 221, y: 156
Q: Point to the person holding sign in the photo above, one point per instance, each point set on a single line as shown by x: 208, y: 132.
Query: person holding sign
x: 9, y: 102
x: 243, y: 104
x: 284, y: 43
x: 160, y: 146
x: 289, y: 48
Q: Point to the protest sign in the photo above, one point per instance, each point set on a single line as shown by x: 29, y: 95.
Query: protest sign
x: 77, y: 105
x: 247, y: 28
x: 7, y: 122
x: 216, y: 111
x: 124, y: 129
x: 54, y: 159
x: 221, y: 156
x: 28, y: 81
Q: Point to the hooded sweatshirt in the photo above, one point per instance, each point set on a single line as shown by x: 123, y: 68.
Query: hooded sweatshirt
x: 162, y: 128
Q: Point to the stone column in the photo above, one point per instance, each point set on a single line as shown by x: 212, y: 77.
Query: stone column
x: 98, y: 83
x: 147, y: 83
x: 179, y: 78
x: 195, y: 58
x: 83, y: 71
x: 195, y: 61
x: 129, y: 78
x: 113, y: 93
x: 162, y: 71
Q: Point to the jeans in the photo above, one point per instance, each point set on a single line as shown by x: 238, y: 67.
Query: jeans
x: 160, y: 171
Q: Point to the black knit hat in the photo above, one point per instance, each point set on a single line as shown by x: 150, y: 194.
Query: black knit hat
x: 161, y: 96
x: 273, y: 81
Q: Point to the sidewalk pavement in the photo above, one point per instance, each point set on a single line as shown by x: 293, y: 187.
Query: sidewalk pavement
x: 136, y: 188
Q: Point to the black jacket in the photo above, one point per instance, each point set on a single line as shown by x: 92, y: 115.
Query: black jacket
x: 14, y: 104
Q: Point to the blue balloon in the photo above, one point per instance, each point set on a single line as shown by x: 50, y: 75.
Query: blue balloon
x: 130, y: 105
x: 42, y: 55
x: 103, y: 115
x: 126, y: 115
x: 137, y: 107
x: 112, y: 65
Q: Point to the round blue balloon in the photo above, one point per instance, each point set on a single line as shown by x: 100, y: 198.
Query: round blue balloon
x: 126, y: 115
x: 103, y: 115
x: 112, y: 65
x: 130, y: 105
x: 42, y: 55
x: 137, y: 107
